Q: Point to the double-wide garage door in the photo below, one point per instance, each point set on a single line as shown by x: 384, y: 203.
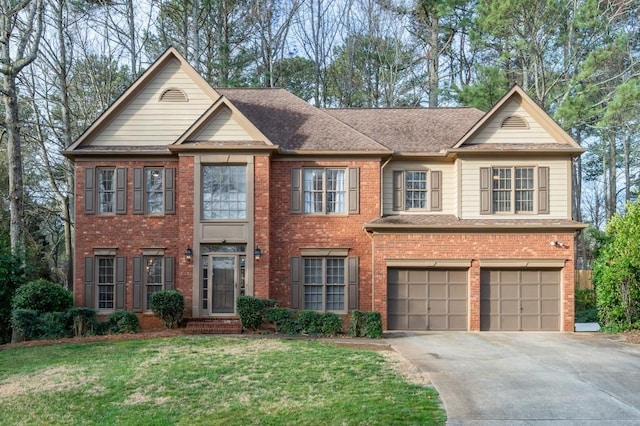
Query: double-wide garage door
x: 519, y: 300
x: 510, y: 299
x: 427, y: 299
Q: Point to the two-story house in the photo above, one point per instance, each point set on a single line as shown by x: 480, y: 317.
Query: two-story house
x: 440, y: 219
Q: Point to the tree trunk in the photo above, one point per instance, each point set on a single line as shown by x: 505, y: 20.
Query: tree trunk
x: 14, y: 159
x: 612, y: 204
x: 433, y: 58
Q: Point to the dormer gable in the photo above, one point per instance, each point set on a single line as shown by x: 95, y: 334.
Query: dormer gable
x: 224, y: 126
x: 516, y: 122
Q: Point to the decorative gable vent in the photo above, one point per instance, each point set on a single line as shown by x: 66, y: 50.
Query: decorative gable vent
x: 515, y: 122
x: 173, y: 94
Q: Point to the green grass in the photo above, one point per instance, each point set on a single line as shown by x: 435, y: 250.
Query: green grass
x: 209, y: 381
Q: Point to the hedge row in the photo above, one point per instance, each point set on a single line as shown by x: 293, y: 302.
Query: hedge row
x: 31, y: 325
x: 254, y: 312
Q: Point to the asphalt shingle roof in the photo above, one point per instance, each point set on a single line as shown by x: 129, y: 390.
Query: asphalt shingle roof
x: 407, y: 130
x: 450, y: 222
x: 294, y: 125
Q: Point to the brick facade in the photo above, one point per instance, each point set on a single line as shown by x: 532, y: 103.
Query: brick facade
x: 476, y: 247
x: 291, y: 232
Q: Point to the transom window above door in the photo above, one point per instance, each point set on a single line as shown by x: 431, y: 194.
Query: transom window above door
x: 224, y: 192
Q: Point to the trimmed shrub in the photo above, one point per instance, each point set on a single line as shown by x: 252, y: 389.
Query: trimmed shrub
x: 331, y: 324
x: 280, y: 316
x: 27, y: 323
x: 33, y: 326
x: 309, y: 322
x: 42, y: 296
x: 83, y: 321
x: 252, y: 310
x: 168, y: 305
x: 289, y: 326
x: 372, y: 325
x: 54, y: 325
x: 356, y: 323
x: 122, y: 322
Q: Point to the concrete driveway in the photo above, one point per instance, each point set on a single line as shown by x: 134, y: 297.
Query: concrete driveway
x: 492, y: 378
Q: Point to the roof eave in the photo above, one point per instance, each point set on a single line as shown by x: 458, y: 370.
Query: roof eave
x: 381, y: 227
x: 192, y: 148
x: 332, y: 152
x: 72, y: 154
x: 572, y: 151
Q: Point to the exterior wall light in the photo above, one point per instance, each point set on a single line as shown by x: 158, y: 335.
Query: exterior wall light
x: 257, y: 253
x: 188, y: 254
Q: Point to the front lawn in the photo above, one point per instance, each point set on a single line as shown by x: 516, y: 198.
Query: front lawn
x: 194, y: 380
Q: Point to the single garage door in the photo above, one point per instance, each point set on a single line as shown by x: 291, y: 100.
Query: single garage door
x: 519, y: 300
x: 427, y: 299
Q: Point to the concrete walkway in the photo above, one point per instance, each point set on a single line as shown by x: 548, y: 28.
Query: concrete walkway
x: 493, y: 378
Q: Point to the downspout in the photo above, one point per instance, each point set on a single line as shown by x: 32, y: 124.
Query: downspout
x: 370, y: 235
x: 382, y: 184
x: 373, y: 268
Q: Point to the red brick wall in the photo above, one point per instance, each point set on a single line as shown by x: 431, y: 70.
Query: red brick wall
x: 262, y: 226
x: 130, y: 233
x: 290, y: 232
x: 475, y: 248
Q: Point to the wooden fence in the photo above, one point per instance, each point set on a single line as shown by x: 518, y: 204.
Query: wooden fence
x: 583, y: 279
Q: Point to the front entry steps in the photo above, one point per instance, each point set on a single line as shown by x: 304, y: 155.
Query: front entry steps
x: 224, y: 325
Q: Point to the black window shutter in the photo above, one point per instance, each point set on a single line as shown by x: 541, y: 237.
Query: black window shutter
x: 543, y: 190
x: 296, y: 190
x: 169, y: 190
x: 398, y: 190
x: 121, y: 278
x: 137, y: 283
x: 121, y: 190
x: 90, y: 190
x: 485, y: 190
x: 296, y: 283
x: 169, y: 273
x: 89, y: 282
x: 138, y: 191
x: 436, y: 191
x: 352, y: 273
x: 354, y: 190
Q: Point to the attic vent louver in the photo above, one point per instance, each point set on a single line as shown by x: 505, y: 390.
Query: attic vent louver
x: 173, y: 95
x: 514, y: 122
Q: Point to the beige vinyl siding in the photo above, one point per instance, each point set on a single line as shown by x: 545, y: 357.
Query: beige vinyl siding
x: 559, y: 195
x: 222, y: 127
x: 492, y: 132
x: 447, y: 189
x: 147, y: 121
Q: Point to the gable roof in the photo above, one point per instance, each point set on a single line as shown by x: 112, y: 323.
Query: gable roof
x: 411, y: 130
x: 298, y: 127
x: 190, y: 139
x: 564, y: 141
x: 171, y: 55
